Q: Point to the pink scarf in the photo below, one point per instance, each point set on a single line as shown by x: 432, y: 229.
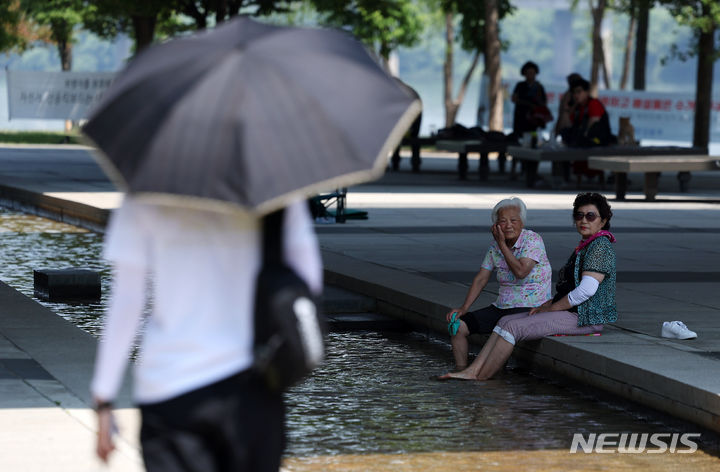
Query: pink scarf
x: 592, y: 238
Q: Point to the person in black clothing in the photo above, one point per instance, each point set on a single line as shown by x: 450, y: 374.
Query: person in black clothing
x: 526, y: 96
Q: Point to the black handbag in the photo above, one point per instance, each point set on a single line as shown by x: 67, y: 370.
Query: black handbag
x: 289, y: 332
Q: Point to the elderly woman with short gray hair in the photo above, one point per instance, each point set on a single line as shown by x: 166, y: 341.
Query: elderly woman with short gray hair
x: 523, y: 272
x: 583, y: 304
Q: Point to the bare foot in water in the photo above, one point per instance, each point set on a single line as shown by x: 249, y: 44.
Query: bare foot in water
x: 462, y: 375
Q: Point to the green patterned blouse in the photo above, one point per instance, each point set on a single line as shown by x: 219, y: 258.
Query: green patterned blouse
x: 598, y: 256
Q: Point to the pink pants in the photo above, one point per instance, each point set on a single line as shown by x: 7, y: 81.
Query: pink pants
x: 522, y: 326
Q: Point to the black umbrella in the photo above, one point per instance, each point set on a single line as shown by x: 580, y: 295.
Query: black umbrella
x: 251, y: 114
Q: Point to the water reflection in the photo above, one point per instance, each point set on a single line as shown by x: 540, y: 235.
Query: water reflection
x: 29, y: 242
x: 373, y: 400
x: 372, y: 406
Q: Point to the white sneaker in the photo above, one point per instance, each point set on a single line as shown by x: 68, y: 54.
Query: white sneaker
x: 677, y: 330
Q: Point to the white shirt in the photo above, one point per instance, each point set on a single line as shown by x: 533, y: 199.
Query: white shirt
x: 203, y: 267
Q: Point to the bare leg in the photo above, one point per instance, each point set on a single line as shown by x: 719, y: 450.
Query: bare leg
x: 471, y: 372
x: 496, y: 360
x: 460, y: 346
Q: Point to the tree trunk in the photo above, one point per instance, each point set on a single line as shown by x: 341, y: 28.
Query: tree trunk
x: 492, y: 66
x: 234, y: 7
x: 603, y: 64
x: 385, y: 51
x: 703, y: 93
x: 450, y: 109
x: 643, y: 24
x: 144, y: 29
x: 190, y: 8
x: 597, y: 54
x: 628, y: 49
x: 451, y: 114
x: 220, y: 10
x: 65, y: 52
x: 466, y: 80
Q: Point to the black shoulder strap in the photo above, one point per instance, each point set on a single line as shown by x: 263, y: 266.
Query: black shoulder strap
x: 272, y: 238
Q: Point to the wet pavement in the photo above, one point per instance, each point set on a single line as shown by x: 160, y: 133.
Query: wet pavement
x: 424, y: 237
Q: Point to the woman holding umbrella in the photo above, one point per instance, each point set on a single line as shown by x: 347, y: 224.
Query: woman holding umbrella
x: 189, y: 129
x: 203, y: 407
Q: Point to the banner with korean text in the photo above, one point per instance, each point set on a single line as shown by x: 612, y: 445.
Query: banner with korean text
x: 54, y: 95
x: 663, y: 116
x: 660, y: 116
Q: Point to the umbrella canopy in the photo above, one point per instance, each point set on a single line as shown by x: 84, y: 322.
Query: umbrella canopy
x: 250, y: 114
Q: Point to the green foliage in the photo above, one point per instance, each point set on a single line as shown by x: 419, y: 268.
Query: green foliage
x: 472, y: 23
x: 381, y: 24
x: 204, y: 13
x: 17, y: 30
x: 108, y: 18
x: 39, y: 137
x: 701, y: 16
x: 62, y: 16
x: 9, y: 22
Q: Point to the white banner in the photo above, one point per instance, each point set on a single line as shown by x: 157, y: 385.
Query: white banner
x: 54, y: 95
x: 661, y: 116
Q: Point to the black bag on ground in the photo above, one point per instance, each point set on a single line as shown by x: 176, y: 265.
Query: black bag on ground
x: 289, y: 333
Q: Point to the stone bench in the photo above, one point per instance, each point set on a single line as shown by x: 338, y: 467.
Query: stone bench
x: 560, y: 154
x: 652, y: 166
x: 415, y: 144
x: 484, y: 148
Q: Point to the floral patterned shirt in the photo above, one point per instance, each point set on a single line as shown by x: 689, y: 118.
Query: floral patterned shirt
x: 533, y: 290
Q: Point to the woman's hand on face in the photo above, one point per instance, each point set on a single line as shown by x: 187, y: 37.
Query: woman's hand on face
x: 459, y: 312
x: 542, y: 308
x: 498, y: 234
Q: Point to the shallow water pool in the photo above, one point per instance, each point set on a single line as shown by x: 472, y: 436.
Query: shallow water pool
x: 372, y: 405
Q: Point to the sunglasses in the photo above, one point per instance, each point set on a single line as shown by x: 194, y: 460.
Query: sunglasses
x: 589, y: 216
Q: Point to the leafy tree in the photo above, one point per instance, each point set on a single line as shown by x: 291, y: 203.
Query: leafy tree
x: 10, y: 37
x: 382, y: 25
x: 201, y: 11
x: 17, y: 31
x: 141, y: 19
x: 61, y: 17
x: 704, y: 17
x: 146, y: 20
x: 473, y: 19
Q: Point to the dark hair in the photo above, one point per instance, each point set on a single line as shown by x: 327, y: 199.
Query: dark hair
x: 529, y: 65
x: 584, y: 84
x: 600, y: 203
x: 572, y: 78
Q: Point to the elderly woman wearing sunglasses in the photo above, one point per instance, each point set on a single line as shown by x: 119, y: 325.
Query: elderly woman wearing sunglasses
x: 585, y: 298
